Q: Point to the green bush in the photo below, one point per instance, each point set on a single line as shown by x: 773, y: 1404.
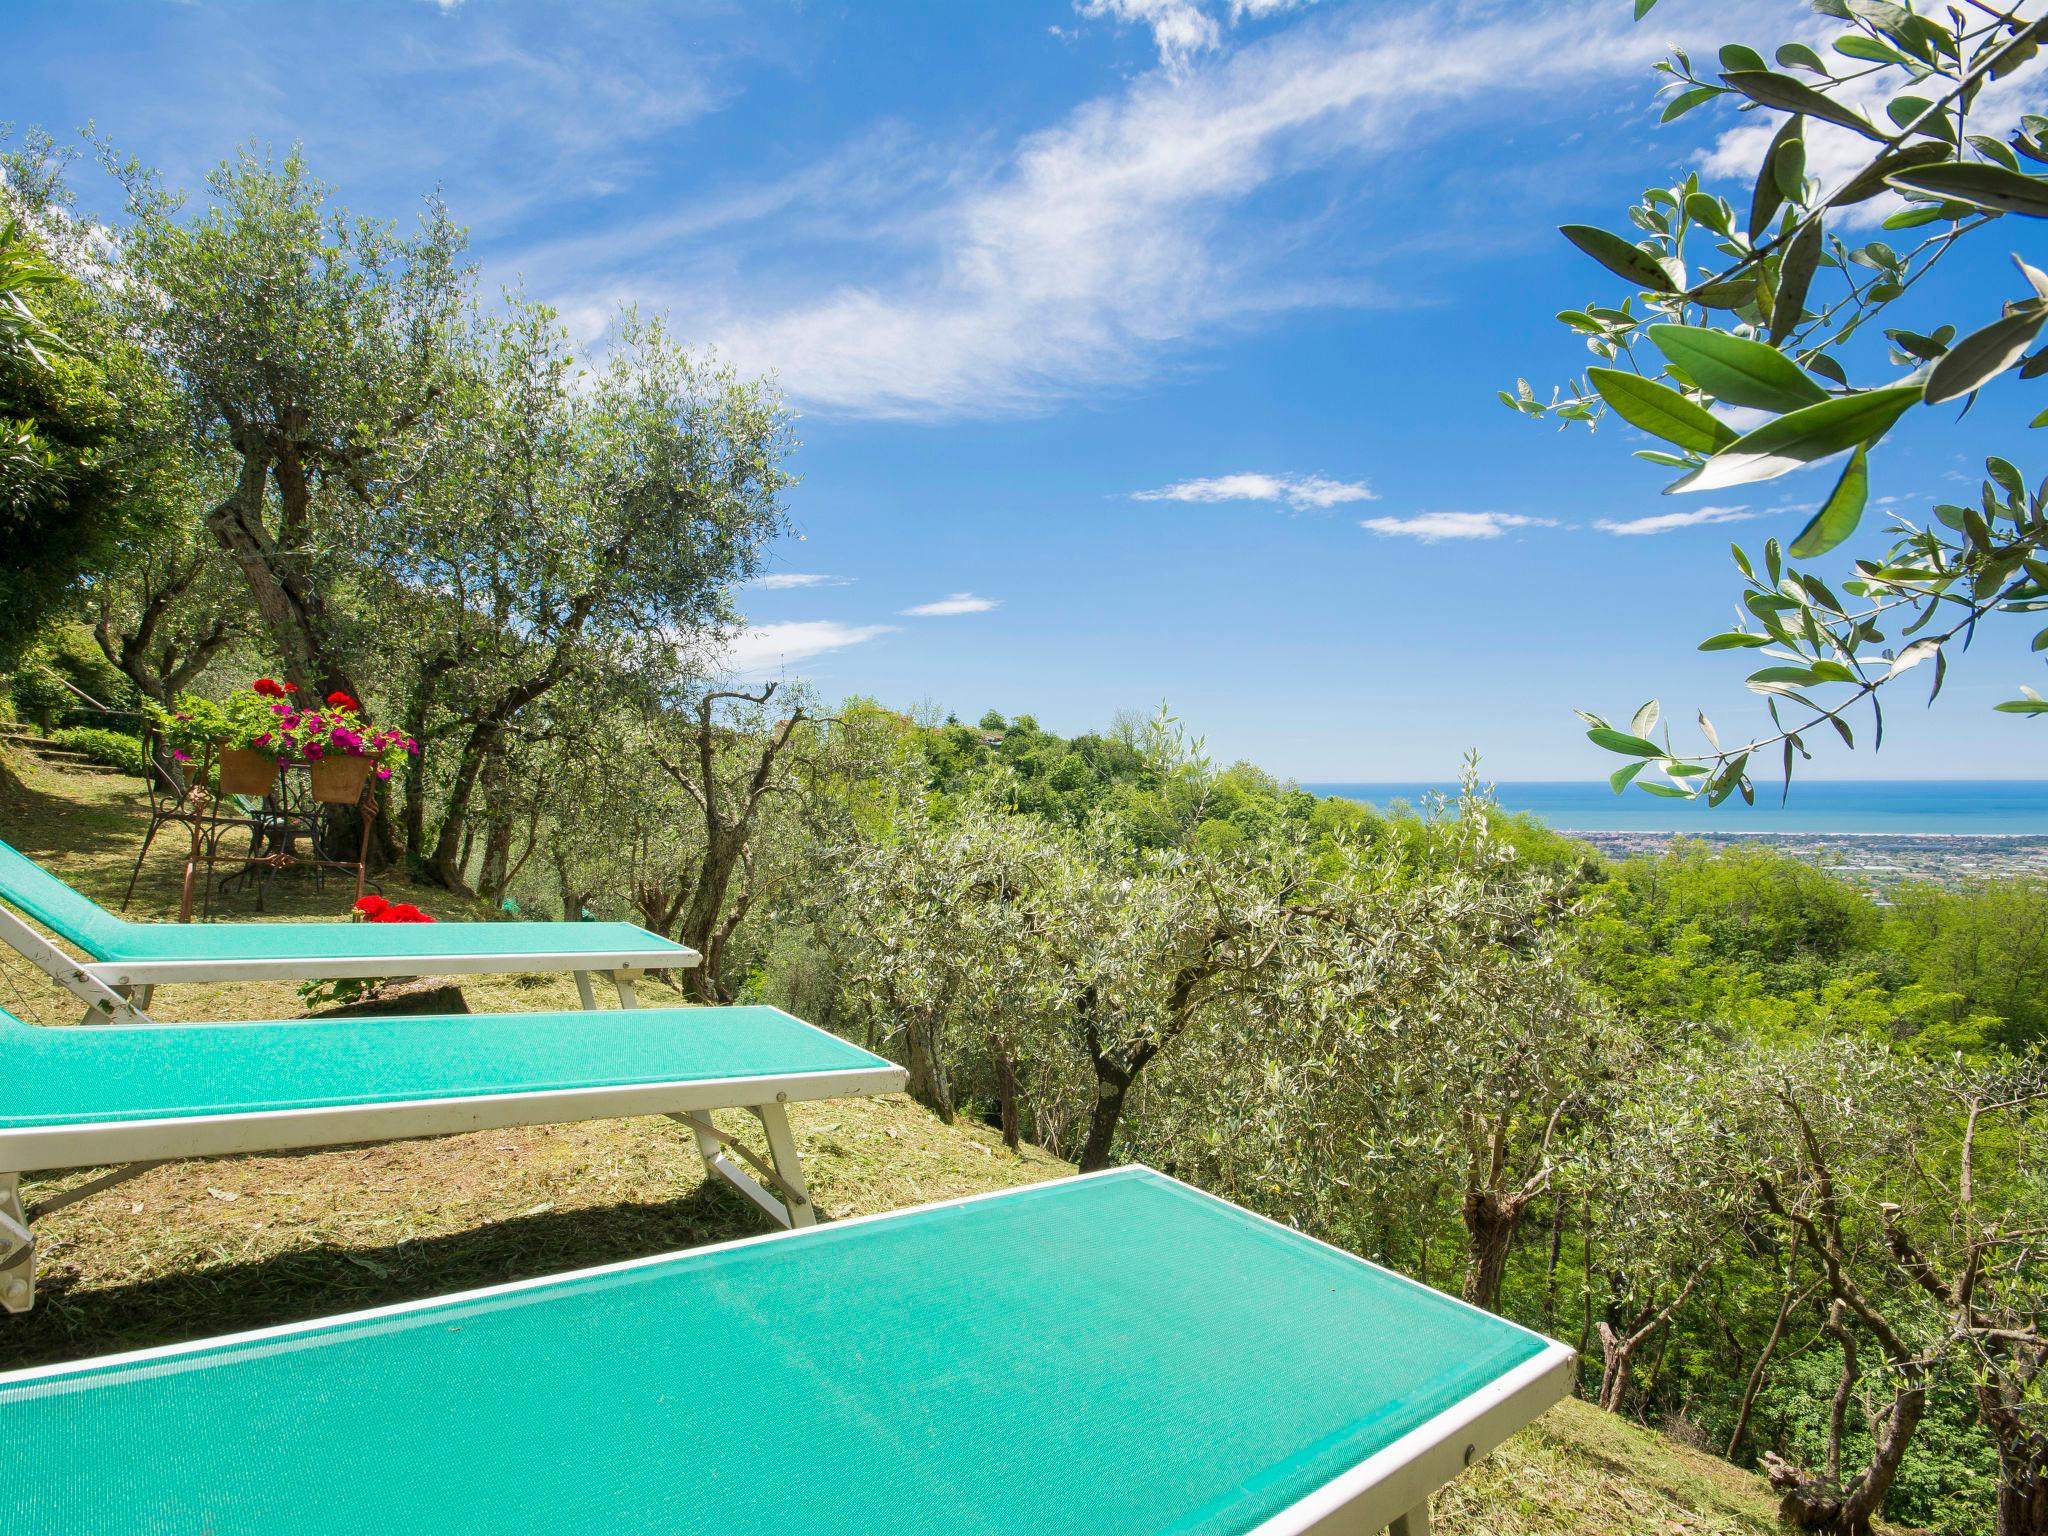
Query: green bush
x: 66, y: 651
x: 116, y: 749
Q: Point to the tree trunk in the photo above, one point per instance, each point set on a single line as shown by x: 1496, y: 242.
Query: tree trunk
x: 1755, y: 1383
x: 497, y: 866
x: 2022, y: 1494
x: 1490, y: 1221
x: 1006, y: 1099
x: 1104, y: 1115
x: 1550, y: 1263
x: 928, y: 1083
x: 1616, y: 1355
x: 704, y: 927
x: 1845, y: 1388
x: 2022, y: 1443
x: 444, y: 864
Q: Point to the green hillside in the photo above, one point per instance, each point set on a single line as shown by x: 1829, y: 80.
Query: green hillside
x: 198, y: 1248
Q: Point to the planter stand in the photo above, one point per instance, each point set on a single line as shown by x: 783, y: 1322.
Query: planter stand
x: 283, y: 821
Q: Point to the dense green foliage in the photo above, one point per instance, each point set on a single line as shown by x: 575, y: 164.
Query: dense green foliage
x: 71, y: 476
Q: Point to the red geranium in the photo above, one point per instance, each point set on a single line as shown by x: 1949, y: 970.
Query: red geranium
x: 375, y: 909
x: 342, y: 700
x: 269, y: 687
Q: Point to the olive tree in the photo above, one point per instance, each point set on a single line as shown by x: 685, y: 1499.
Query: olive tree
x: 1753, y: 304
x: 308, y: 349
x: 575, y: 520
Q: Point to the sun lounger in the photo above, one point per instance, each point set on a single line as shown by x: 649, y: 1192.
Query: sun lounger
x: 124, y: 962
x: 137, y: 1095
x: 1108, y: 1355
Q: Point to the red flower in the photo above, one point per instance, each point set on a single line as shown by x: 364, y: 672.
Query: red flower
x: 401, y: 912
x: 291, y: 687
x: 269, y: 688
x: 342, y: 700
x: 372, y: 907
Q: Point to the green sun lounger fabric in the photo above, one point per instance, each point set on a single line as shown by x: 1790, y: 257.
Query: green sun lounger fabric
x: 1102, y: 1356
x: 96, y: 1074
x: 105, y: 937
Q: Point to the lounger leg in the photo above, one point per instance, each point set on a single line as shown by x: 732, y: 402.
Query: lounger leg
x: 789, y: 1203
x: 17, y: 1249
x: 623, y: 980
x: 782, y: 1147
x: 1414, y: 1523
x: 584, y: 991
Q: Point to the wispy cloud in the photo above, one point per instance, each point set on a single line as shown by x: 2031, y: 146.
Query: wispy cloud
x: 764, y: 647
x: 1088, y: 254
x: 784, y: 581
x: 1666, y: 522
x: 1431, y: 527
x: 946, y: 607
x: 513, y: 111
x: 1180, y: 28
x: 1302, y: 492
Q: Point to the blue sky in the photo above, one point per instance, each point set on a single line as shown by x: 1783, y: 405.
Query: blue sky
x: 1145, y: 350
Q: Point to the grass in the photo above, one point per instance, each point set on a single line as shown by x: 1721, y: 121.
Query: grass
x: 192, y: 1249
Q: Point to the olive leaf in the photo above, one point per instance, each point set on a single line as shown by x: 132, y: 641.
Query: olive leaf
x: 1660, y: 410
x: 1802, y: 437
x: 1620, y: 257
x: 1736, y: 370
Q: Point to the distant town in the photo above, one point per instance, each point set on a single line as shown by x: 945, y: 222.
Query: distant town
x: 1877, y: 860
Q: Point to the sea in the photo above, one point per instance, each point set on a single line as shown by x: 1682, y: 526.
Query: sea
x: 1835, y: 807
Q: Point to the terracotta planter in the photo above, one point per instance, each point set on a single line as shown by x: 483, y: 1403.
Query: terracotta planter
x: 243, y: 772
x: 340, y: 780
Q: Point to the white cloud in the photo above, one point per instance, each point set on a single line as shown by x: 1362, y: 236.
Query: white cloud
x: 923, y: 280
x: 1301, y: 492
x: 1665, y: 522
x: 1180, y: 28
x: 783, y: 581
x: 958, y: 602
x: 1430, y: 527
x: 764, y: 647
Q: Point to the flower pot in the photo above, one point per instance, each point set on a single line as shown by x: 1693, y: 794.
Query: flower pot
x: 340, y: 780
x: 243, y: 772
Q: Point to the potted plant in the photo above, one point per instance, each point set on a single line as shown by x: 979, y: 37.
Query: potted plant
x: 341, y: 748
x: 239, y: 732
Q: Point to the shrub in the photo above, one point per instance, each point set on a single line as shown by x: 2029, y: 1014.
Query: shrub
x: 116, y: 749
x: 66, y: 654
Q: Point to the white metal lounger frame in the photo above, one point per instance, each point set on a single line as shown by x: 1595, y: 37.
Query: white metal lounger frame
x: 118, y: 991
x: 139, y: 1145
x: 1387, y: 1491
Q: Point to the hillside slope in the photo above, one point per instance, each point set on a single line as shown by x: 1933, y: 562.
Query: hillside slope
x: 197, y: 1248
